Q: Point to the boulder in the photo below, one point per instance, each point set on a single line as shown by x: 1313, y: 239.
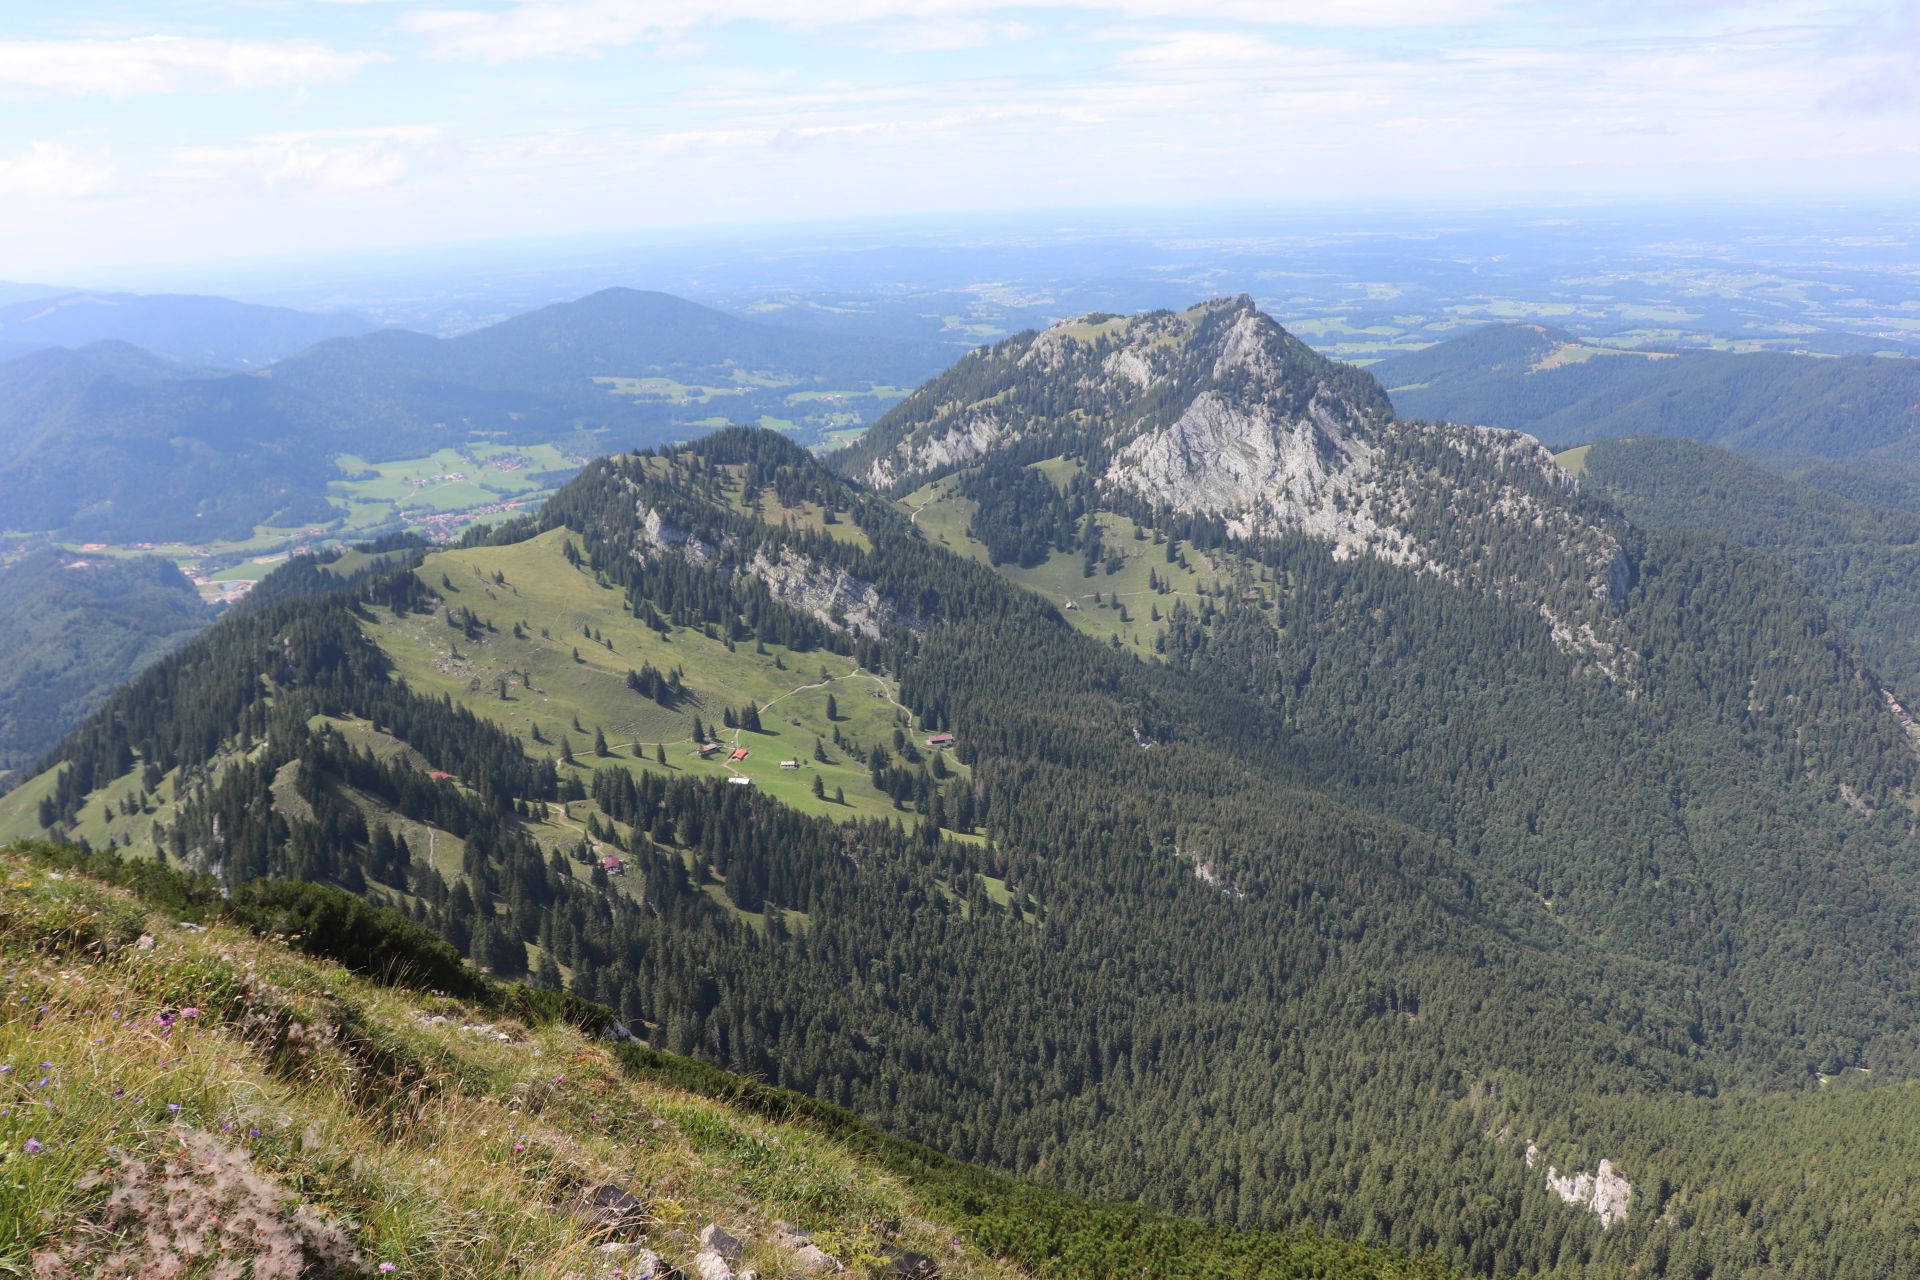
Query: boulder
x: 610, y: 1208
x: 709, y: 1265
x: 713, y: 1236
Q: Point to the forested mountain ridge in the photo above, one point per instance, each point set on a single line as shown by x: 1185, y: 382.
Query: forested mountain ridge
x: 1357, y: 893
x: 1731, y: 696
x: 1862, y: 561
x: 1218, y: 415
x: 1846, y: 423
x: 72, y: 629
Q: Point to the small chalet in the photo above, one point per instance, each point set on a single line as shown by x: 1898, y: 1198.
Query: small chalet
x: 708, y: 749
x: 940, y: 740
x: 739, y: 781
x: 738, y: 753
x: 789, y: 764
x: 613, y: 866
x: 440, y: 775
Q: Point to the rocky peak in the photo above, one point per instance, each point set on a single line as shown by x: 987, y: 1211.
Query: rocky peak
x: 1218, y: 411
x: 1100, y: 380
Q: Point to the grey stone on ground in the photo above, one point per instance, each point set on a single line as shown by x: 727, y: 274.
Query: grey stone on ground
x: 807, y: 1255
x: 714, y: 1236
x: 610, y: 1208
x: 636, y: 1261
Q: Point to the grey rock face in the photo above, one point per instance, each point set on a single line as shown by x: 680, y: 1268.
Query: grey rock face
x: 1604, y: 1192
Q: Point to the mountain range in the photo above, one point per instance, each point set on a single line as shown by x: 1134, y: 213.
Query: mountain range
x: 113, y: 443
x: 197, y: 332
x: 1147, y: 763
x: 1849, y: 424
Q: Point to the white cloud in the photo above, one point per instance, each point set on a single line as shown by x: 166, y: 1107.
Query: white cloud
x: 126, y: 68
x: 53, y: 172
x: 587, y: 28
x: 320, y: 162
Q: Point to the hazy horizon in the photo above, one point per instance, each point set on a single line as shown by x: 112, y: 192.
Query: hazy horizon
x: 236, y: 133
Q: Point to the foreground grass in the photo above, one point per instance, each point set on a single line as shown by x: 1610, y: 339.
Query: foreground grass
x: 437, y: 1148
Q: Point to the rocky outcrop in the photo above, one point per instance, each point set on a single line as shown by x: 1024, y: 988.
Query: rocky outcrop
x: 971, y: 435
x: 1225, y: 458
x: 1603, y: 1192
x: 831, y: 596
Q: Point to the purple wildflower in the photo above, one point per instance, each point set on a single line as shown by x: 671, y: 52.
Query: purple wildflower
x: 33, y: 1147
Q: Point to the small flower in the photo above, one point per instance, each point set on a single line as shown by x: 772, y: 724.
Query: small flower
x: 387, y: 1268
x: 46, y: 1066
x: 190, y: 1012
x: 253, y: 1133
x: 174, y: 1107
x: 34, y: 1147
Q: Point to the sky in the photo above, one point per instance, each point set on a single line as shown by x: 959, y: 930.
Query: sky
x: 228, y: 130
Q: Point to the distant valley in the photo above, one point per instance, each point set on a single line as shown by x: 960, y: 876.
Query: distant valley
x: 109, y: 443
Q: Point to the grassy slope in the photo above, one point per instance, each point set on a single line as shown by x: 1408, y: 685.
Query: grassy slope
x: 541, y: 591
x: 457, y: 1180
x: 943, y: 515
